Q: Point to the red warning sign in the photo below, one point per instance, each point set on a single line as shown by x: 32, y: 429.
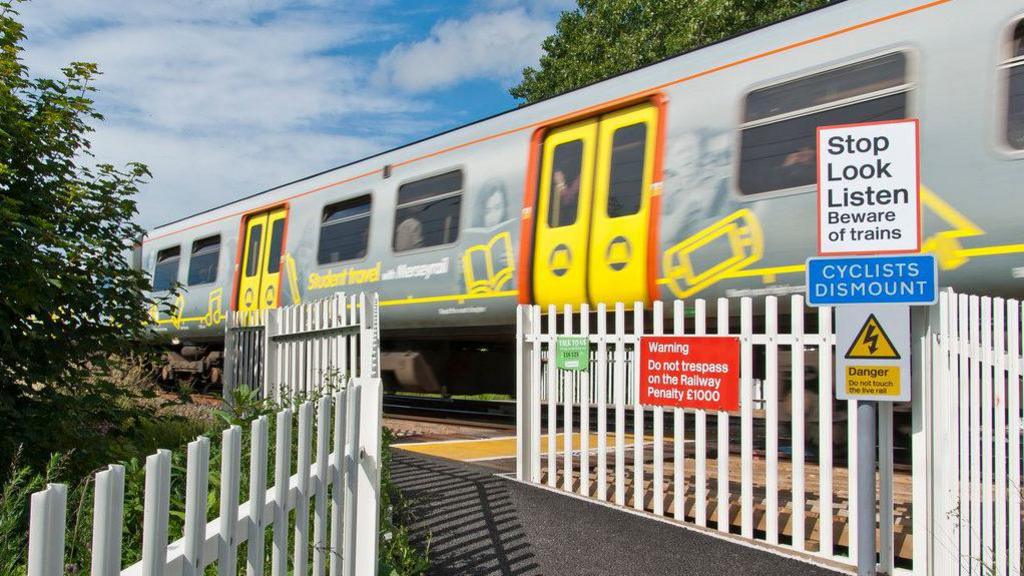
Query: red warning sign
x: 700, y: 372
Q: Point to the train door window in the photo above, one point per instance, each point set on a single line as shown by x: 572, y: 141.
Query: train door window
x: 274, y: 249
x: 1015, y: 85
x: 202, y: 266
x: 567, y: 159
x: 428, y: 212
x: 777, y: 150
x: 252, y: 251
x: 344, y: 231
x: 166, y: 272
x: 625, y: 185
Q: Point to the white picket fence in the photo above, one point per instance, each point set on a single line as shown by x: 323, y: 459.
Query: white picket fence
x: 337, y: 481
x: 623, y: 453
x: 325, y: 350
x: 299, y: 349
x: 974, y: 402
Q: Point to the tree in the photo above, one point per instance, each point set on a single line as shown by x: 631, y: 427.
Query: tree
x: 602, y: 38
x: 70, y: 299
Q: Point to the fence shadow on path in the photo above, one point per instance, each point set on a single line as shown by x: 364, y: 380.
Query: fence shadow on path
x: 466, y: 518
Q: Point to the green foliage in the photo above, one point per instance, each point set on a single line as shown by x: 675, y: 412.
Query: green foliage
x: 601, y: 38
x: 70, y: 298
x: 396, y: 555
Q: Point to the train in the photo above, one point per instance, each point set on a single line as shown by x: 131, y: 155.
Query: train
x: 693, y: 177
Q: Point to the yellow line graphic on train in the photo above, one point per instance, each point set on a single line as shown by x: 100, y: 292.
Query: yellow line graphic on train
x: 214, y: 311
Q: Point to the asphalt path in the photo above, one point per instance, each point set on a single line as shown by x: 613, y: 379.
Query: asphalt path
x: 475, y: 523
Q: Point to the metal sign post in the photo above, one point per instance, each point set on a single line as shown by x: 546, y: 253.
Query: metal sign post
x: 869, y: 204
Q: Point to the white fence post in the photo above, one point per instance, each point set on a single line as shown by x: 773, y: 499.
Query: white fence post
x: 231, y: 461
x: 155, y: 513
x: 108, y: 515
x: 257, y: 496
x: 46, y: 531
x: 197, y: 487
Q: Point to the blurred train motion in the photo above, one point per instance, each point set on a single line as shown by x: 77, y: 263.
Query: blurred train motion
x: 693, y: 177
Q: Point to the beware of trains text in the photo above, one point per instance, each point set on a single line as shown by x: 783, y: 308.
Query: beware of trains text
x: 868, y: 188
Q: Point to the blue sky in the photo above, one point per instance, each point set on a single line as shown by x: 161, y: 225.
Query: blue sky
x: 223, y: 98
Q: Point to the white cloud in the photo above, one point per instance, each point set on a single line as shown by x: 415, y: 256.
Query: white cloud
x: 221, y: 99
x: 493, y: 45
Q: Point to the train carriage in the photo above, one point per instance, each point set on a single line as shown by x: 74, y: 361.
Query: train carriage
x: 692, y: 177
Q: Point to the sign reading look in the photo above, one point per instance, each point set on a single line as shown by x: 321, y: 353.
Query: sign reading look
x: 699, y: 372
x: 869, y: 188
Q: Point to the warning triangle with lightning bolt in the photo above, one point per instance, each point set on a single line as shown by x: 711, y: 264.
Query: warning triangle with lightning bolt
x: 872, y: 343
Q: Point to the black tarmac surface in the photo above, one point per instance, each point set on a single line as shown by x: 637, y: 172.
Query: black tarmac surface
x: 480, y: 524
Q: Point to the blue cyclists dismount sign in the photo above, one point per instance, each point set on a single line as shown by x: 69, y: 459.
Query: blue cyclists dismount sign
x: 872, y: 280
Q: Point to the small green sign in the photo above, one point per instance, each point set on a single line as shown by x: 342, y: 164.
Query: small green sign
x: 572, y: 353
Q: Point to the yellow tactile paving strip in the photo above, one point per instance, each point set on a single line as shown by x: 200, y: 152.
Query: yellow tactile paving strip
x: 495, y: 448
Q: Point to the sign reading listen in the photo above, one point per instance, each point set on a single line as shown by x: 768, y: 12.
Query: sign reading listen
x: 699, y: 372
x: 868, y: 188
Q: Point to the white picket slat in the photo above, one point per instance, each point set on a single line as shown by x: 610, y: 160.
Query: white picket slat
x: 700, y: 430
x: 772, y: 420
x: 658, y: 417
x: 679, y: 434
x: 108, y: 517
x: 48, y: 511
x: 230, y: 483
x: 722, y: 418
x: 797, y: 410
x: 257, y: 496
x: 639, y: 490
x: 197, y: 487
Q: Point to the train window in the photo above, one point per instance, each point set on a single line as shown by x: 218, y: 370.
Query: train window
x: 252, y: 261
x: 166, y: 272
x: 274, y: 250
x: 202, y: 266
x: 428, y: 212
x: 625, y: 185
x: 777, y: 149
x: 566, y: 167
x: 1015, y: 85
x: 344, y: 231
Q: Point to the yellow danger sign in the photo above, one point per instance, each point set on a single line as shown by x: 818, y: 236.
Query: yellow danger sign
x: 872, y: 343
x: 873, y: 380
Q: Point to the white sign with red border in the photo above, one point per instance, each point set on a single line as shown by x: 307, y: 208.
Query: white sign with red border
x: 869, y: 188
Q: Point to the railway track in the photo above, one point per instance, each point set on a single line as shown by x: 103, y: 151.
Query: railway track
x: 451, y: 411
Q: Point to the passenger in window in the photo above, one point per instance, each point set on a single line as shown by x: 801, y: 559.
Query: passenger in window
x: 798, y: 164
x: 408, y: 235
x: 566, y: 196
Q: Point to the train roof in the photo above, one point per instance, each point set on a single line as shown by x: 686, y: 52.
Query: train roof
x: 496, y: 115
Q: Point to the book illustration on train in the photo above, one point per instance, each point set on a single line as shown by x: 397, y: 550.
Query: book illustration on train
x: 488, y: 267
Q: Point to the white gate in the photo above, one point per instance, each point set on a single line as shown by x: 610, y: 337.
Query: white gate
x: 300, y: 349
x: 336, y: 482
x: 975, y: 408
x: 796, y: 493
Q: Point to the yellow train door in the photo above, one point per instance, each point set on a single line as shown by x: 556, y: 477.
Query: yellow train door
x: 617, y: 266
x: 563, y: 215
x: 261, y: 260
x: 594, y: 206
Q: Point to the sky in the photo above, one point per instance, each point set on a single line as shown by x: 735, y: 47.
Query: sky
x: 224, y: 98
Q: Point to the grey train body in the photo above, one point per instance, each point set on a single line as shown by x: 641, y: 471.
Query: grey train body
x: 727, y: 109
